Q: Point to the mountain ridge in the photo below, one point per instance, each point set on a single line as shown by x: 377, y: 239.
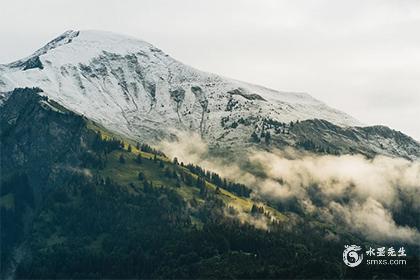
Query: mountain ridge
x: 152, y: 71
x: 133, y: 88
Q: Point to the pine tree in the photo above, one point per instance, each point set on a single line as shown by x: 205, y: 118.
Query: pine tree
x: 138, y: 159
x: 257, y: 210
x: 167, y: 172
x: 267, y: 138
x: 255, y: 137
x: 147, y: 186
x: 203, y: 190
x: 141, y: 176
x: 188, y: 179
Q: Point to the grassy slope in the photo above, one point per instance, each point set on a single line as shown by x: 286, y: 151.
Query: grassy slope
x: 127, y: 174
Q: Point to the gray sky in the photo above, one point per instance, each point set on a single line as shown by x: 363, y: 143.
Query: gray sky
x: 360, y: 56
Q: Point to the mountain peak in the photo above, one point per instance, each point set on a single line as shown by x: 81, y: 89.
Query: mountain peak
x: 133, y: 88
x: 79, y: 46
x: 111, y: 39
x: 62, y: 39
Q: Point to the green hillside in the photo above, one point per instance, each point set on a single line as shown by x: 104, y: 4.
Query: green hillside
x: 78, y: 201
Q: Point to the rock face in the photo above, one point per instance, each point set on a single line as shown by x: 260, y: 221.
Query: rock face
x: 325, y: 137
x: 132, y: 88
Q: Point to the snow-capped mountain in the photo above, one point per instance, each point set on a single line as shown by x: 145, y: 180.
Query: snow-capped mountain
x: 131, y: 87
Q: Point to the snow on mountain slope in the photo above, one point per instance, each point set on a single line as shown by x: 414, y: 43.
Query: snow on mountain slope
x: 132, y: 87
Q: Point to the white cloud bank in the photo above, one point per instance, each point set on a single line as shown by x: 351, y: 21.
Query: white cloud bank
x: 360, y: 193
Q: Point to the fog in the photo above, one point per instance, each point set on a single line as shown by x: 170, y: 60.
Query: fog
x: 361, y: 194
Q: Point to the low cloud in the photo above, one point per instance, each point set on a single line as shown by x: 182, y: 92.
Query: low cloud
x: 258, y: 221
x: 364, y: 195
x: 371, y: 219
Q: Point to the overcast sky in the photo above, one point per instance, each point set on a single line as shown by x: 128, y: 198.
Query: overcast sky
x: 362, y: 57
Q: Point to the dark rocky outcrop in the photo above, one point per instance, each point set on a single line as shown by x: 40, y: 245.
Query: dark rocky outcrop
x: 249, y: 96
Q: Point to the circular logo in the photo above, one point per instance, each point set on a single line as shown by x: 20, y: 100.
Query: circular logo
x: 351, y: 257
